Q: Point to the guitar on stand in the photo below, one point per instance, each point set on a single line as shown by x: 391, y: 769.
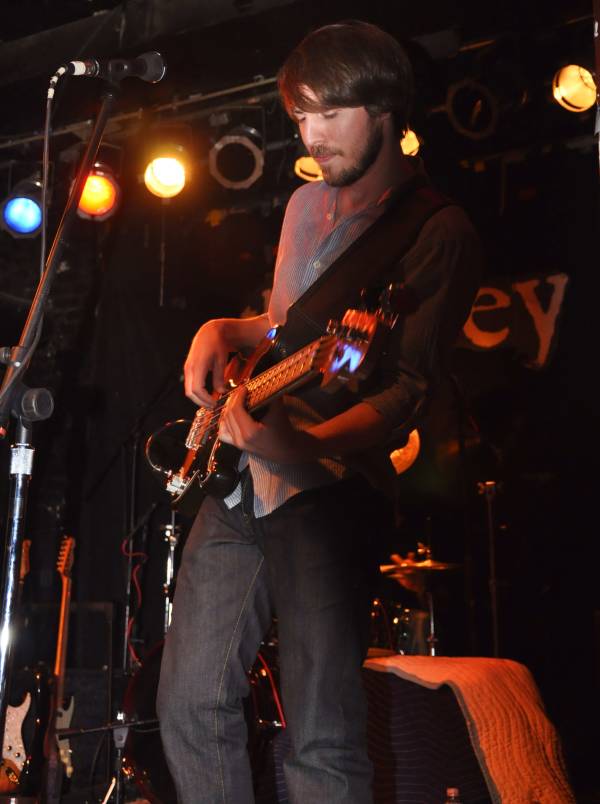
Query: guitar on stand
x: 13, y: 750
x: 57, y: 759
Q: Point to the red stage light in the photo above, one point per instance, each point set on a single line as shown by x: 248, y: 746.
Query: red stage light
x: 101, y: 195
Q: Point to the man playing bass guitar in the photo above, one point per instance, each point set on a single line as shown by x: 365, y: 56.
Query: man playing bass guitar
x: 296, y: 535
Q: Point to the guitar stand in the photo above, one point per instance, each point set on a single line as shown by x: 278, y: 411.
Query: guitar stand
x: 116, y: 790
x: 120, y: 729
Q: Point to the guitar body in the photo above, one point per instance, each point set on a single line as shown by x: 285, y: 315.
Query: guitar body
x: 52, y: 777
x: 213, y: 469
x: 212, y: 466
x: 21, y: 763
x: 30, y: 777
x: 13, y: 749
x: 56, y: 770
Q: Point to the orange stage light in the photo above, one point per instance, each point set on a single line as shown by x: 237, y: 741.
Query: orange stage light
x: 574, y: 88
x: 100, y: 196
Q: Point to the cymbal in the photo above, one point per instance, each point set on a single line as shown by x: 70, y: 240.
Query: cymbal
x: 409, y: 565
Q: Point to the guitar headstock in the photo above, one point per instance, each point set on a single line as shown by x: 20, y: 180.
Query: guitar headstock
x: 64, y: 564
x: 351, y: 348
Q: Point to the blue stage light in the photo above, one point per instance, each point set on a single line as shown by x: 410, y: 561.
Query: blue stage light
x: 23, y: 215
x: 22, y: 211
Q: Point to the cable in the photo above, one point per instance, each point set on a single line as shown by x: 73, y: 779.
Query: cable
x: 274, y: 690
x: 46, y: 174
x: 136, y: 582
x: 110, y: 789
x: 94, y: 764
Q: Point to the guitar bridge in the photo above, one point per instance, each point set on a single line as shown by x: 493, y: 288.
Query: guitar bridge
x: 175, y: 484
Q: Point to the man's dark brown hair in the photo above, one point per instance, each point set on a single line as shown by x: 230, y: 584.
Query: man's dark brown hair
x: 349, y: 64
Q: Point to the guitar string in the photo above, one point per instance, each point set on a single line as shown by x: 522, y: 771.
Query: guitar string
x: 211, y: 427
x: 215, y: 412
x: 253, y: 384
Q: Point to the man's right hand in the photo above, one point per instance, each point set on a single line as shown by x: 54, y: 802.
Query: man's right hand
x: 209, y: 352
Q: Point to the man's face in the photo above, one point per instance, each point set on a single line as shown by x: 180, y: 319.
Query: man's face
x: 345, y: 142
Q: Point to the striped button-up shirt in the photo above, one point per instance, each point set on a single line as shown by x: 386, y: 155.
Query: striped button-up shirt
x: 312, y: 237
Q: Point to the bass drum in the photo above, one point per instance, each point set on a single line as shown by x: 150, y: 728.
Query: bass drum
x: 145, y: 763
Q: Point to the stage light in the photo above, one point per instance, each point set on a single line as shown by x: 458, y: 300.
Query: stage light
x: 101, y: 194
x: 472, y: 109
x: 21, y: 214
x: 410, y: 143
x: 404, y: 457
x: 166, y: 158
x: 307, y: 168
x: 236, y: 160
x: 574, y: 88
x: 166, y: 172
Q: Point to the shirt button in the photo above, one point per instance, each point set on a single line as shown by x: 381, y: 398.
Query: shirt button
x: 317, y: 264
x: 329, y: 216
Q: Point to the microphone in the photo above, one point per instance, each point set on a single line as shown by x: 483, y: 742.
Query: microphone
x: 149, y: 67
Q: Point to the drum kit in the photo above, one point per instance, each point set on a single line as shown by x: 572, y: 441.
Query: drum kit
x: 394, y: 629
x: 410, y: 630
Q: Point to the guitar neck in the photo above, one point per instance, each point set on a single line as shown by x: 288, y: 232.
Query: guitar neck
x: 61, y: 643
x: 291, y: 372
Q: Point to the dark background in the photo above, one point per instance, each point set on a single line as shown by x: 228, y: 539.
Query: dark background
x: 112, y: 353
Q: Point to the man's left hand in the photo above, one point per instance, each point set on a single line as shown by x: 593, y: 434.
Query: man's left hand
x: 275, y: 440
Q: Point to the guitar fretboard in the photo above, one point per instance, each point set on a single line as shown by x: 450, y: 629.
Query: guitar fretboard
x: 276, y: 379
x: 261, y: 389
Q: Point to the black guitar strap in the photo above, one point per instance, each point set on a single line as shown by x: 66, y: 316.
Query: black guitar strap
x: 364, y: 263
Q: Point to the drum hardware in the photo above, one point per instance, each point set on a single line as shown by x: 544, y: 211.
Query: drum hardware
x: 128, y: 761
x: 171, y: 537
x: 397, y: 629
x: 488, y: 489
x: 381, y: 638
x: 413, y: 573
x: 121, y: 727
x: 120, y: 730
x: 403, y: 567
x: 143, y: 760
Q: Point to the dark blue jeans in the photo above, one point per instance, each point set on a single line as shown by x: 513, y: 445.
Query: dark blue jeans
x: 310, y: 562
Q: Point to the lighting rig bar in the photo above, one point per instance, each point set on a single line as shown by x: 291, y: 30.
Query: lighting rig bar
x: 195, y: 98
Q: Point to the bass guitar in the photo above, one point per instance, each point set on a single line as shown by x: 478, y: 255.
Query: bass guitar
x: 345, y: 355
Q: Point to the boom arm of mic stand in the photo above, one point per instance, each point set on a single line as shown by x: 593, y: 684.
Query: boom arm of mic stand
x: 22, y: 452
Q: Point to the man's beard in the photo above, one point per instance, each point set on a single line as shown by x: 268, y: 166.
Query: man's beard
x: 366, y: 159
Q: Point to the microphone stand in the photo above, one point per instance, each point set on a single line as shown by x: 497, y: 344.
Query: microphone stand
x: 19, y: 402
